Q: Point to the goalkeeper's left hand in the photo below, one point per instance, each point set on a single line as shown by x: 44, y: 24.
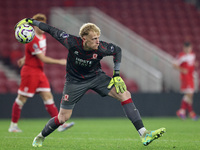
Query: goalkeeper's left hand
x: 118, y: 83
x: 24, y: 21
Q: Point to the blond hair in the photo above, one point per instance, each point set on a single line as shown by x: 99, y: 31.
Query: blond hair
x: 40, y: 17
x: 87, y: 27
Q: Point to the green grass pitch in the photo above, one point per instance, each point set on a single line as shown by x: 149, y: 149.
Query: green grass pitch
x: 103, y: 134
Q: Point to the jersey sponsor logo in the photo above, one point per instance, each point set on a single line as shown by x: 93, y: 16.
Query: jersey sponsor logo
x: 65, y: 97
x: 83, y: 63
x: 94, y: 56
x: 64, y: 35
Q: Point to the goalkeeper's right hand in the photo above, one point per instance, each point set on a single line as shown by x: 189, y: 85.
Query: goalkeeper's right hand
x: 24, y: 21
x: 118, y: 82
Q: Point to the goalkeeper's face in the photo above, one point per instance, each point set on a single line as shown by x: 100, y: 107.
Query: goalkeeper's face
x: 91, y: 41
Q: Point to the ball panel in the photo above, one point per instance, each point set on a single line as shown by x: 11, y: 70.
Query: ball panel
x: 24, y: 33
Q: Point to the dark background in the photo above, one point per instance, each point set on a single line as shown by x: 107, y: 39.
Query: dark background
x: 93, y: 105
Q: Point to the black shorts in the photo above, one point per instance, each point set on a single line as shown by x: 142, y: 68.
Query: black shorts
x: 73, y: 90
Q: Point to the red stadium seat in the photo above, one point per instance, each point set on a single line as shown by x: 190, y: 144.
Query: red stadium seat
x: 12, y: 86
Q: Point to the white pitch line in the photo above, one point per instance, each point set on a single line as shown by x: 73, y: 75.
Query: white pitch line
x: 102, y: 139
x: 111, y: 139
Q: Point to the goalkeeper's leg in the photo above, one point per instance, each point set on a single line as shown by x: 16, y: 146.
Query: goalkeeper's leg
x: 133, y: 114
x: 130, y: 110
x: 51, y: 126
x: 52, y: 109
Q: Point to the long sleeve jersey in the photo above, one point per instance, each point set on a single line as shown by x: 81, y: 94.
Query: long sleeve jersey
x: 81, y: 64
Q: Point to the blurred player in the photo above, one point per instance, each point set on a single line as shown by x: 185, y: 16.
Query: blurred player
x: 84, y: 72
x: 33, y: 79
x: 185, y: 64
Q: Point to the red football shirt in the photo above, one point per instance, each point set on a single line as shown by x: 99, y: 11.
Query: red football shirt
x: 38, y: 45
x: 33, y: 79
x: 187, y: 61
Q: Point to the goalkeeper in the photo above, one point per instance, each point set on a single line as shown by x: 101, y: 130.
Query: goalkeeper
x: 83, y: 72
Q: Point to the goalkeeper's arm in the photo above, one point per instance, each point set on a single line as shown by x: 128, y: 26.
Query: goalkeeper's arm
x: 54, y: 32
x: 31, y: 21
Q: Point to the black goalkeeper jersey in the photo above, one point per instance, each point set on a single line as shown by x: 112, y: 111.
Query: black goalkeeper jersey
x: 82, y: 64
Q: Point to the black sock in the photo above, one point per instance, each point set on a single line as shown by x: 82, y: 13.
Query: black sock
x: 52, y: 125
x: 132, y: 113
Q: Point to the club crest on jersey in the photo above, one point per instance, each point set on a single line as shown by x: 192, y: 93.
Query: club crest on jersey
x: 94, y: 56
x: 65, y: 97
x: 26, y: 89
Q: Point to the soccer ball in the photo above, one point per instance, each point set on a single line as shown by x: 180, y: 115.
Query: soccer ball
x: 24, y: 33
